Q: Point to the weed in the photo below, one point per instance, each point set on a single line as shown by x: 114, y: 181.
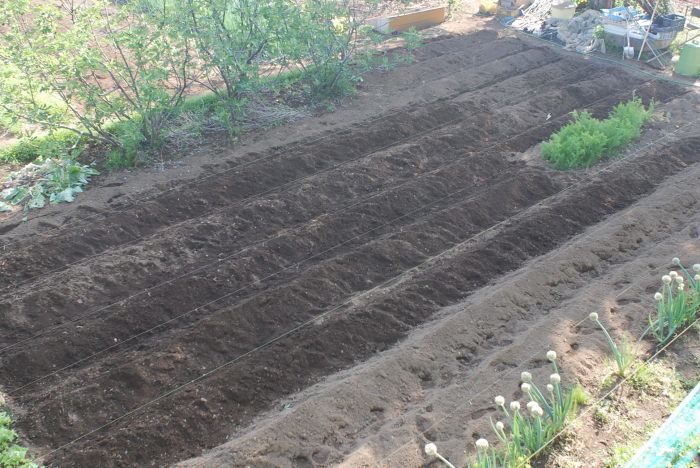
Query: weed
x: 586, y: 140
x: 656, y: 379
x: 602, y: 412
x: 624, y: 353
x: 620, y: 454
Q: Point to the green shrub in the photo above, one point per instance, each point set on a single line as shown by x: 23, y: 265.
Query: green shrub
x: 30, y: 148
x: 586, y: 140
x: 118, y: 74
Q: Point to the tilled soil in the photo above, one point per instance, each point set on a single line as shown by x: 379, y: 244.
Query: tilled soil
x: 158, y: 328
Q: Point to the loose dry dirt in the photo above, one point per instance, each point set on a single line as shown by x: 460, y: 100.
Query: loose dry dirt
x: 343, y: 296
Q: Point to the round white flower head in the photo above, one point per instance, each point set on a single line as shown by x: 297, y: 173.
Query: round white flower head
x: 696, y: 277
x: 680, y: 286
x: 680, y: 279
x: 552, y: 355
x: 500, y: 425
x: 526, y: 387
x: 555, y: 379
x: 526, y: 377
x: 666, y: 279
x: 672, y: 274
x: 658, y: 296
x: 531, y: 404
x: 550, y: 387
x: 696, y: 267
x: 537, y: 411
x: 500, y: 401
x: 431, y: 450
x: 514, y: 405
x: 482, y: 444
x: 676, y: 261
x: 593, y: 316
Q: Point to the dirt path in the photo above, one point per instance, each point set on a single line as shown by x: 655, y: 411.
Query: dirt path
x: 294, y: 266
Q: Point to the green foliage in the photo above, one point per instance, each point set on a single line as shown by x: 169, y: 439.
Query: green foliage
x: 586, y: 140
x: 526, y: 431
x: 104, y: 64
x: 624, y: 353
x: 30, y: 148
x: 55, y: 180
x: 118, y: 74
x: 621, y: 454
x: 678, y: 303
x: 11, y: 454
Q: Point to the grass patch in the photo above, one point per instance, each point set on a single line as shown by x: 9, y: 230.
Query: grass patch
x: 586, y: 140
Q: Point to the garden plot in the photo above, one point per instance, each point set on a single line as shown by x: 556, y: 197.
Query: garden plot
x: 158, y: 330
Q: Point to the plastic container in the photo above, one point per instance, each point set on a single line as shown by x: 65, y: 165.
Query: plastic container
x: 507, y: 13
x: 672, y: 21
x: 689, y: 61
x: 487, y: 7
x: 563, y: 11
x: 664, y: 33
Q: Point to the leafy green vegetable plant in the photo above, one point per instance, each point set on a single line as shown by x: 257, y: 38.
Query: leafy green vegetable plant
x: 11, y: 454
x: 55, y: 180
x: 586, y: 140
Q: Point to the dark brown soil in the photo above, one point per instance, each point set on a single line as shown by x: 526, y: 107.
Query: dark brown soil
x: 224, y: 295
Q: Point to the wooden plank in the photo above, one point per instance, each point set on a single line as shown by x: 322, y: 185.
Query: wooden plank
x: 417, y: 19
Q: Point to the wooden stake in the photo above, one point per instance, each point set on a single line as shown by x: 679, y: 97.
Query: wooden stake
x: 639, y: 57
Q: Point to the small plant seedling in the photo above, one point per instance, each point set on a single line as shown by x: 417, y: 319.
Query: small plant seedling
x: 624, y: 353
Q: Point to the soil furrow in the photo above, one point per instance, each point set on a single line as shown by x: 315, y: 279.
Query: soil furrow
x: 205, y: 241
x: 439, y: 384
x: 441, y: 222
x: 288, y: 365
x: 194, y: 291
x: 145, y: 218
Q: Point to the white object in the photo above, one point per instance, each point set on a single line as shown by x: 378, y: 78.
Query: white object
x: 564, y: 10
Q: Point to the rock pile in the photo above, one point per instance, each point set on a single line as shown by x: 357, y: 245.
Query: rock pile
x: 577, y: 33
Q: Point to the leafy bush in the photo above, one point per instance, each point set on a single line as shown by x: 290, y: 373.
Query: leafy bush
x: 104, y: 64
x: 118, y: 73
x: 30, y: 148
x: 586, y: 140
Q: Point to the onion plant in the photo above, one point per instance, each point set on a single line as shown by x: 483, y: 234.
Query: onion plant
x: 624, y: 353
x: 678, y: 303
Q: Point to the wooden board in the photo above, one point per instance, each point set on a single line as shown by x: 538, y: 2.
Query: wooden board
x: 416, y: 19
